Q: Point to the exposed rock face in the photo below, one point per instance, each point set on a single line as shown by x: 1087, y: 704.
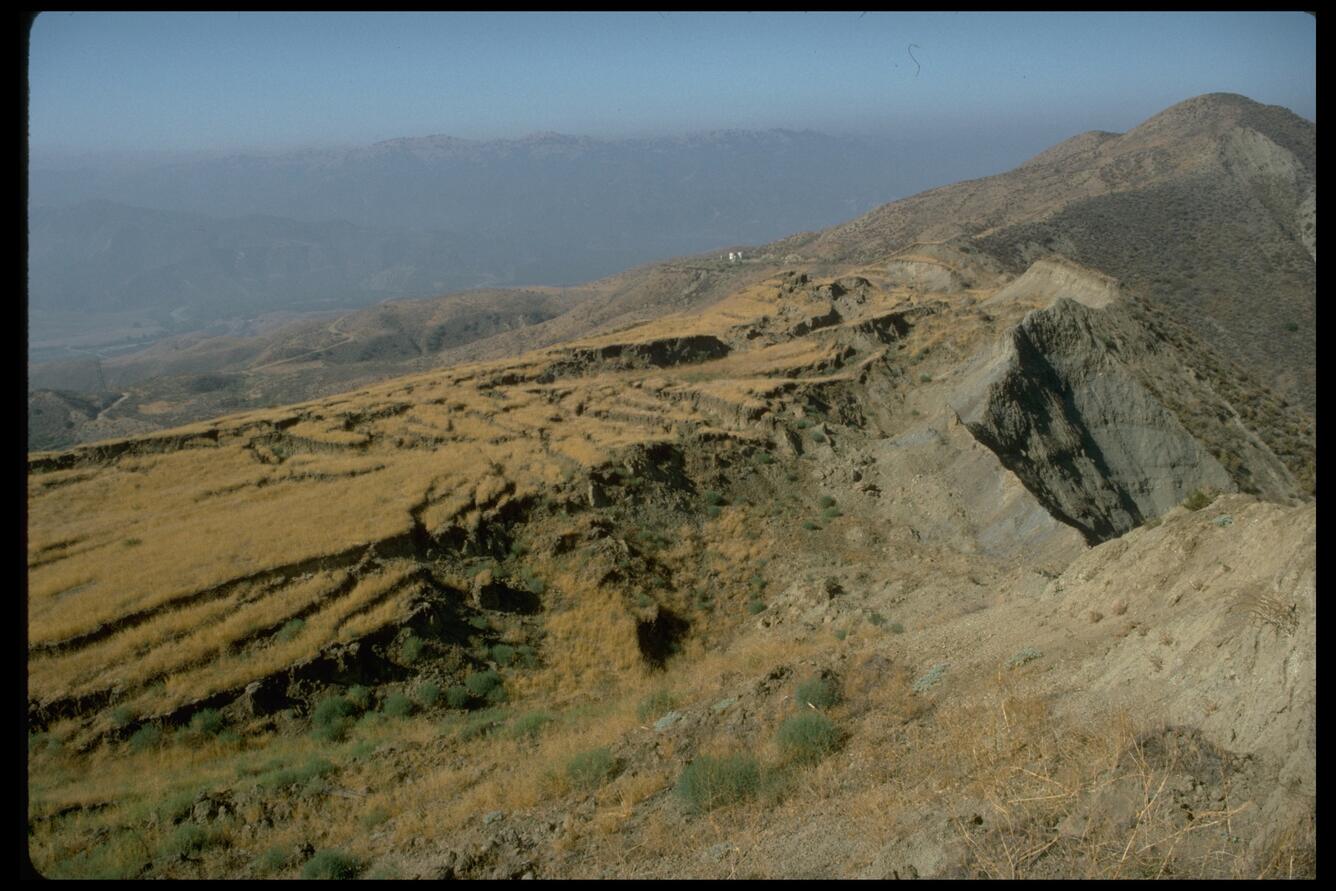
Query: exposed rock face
x: 1094, y: 445
x: 1052, y: 277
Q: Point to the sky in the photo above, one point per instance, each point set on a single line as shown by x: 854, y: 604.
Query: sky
x: 152, y: 82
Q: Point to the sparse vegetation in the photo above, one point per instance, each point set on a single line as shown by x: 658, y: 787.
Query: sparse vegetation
x: 591, y: 769
x: 807, y: 737
x: 929, y: 678
x: 656, y: 704
x: 710, y: 782
x: 397, y: 705
x: 1023, y: 657
x: 818, y: 691
x: 329, y: 864
x: 1199, y: 499
x: 290, y: 630
x: 486, y: 685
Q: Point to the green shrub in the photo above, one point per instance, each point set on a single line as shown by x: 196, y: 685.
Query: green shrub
x: 831, y: 513
x: 896, y: 628
x: 825, y: 501
x: 481, y: 724
x: 803, y: 423
x: 925, y: 378
x: 458, y: 696
x: 591, y: 769
x: 526, y: 656
x: 755, y: 607
x: 332, y: 718
x: 708, y: 783
x: 486, y: 685
x: 714, y: 498
x: 412, y: 649
x: 818, y: 691
x: 530, y: 725
x: 503, y: 654
x: 765, y: 458
x: 208, y: 722
x: 1198, y: 499
x: 807, y: 737
x: 841, y: 634
x: 810, y: 526
x: 308, y: 773
x: 291, y: 629
x: 929, y: 678
x: 713, y: 511
x: 818, y: 436
x: 330, y: 709
x: 121, y: 717
x: 482, y: 623
x: 145, y: 738
x: 655, y: 705
x: 133, y: 542
x: 877, y: 619
x: 373, y: 818
x: 397, y: 705
x: 429, y: 694
x: 187, y: 839
x: 330, y: 864
x: 272, y: 860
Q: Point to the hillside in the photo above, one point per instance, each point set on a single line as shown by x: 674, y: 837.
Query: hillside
x: 925, y: 568
x: 1207, y: 211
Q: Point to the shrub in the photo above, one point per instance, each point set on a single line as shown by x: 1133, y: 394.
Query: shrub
x: 826, y: 501
x: 803, y: 423
x: 755, y: 607
x: 765, y: 458
x: 309, y: 772
x: 896, y: 628
x: 530, y: 724
x: 429, y: 694
x: 1198, y: 499
x: 819, y: 691
x: 482, y: 724
x: 831, y: 513
x: 526, y: 656
x: 591, y: 769
x: 655, y: 705
x: 713, y: 511
x: 273, y: 859
x: 121, y: 717
x: 458, y: 697
x: 373, y: 818
x: 397, y: 705
x: 877, y: 619
x: 714, y: 498
x: 208, y: 722
x: 818, y: 436
x: 486, y: 685
x: 808, y: 737
x: 810, y: 526
x: 1027, y: 655
x: 503, y: 654
x: 412, y: 649
x: 482, y: 623
x: 708, y: 783
x: 841, y: 634
x: 330, y: 864
x: 332, y: 718
x: 925, y: 378
x: 291, y: 629
x: 929, y: 678
x: 145, y: 738
x: 186, y: 839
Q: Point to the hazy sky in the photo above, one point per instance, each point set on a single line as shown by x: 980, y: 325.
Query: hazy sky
x: 136, y: 81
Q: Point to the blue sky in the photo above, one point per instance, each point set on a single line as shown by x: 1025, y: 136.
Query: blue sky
x: 227, y: 81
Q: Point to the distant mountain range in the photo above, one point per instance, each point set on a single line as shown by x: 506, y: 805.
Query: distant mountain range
x: 421, y: 216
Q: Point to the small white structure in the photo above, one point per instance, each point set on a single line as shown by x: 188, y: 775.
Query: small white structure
x: 732, y: 257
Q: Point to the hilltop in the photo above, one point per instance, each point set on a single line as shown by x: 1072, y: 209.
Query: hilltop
x: 922, y: 566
